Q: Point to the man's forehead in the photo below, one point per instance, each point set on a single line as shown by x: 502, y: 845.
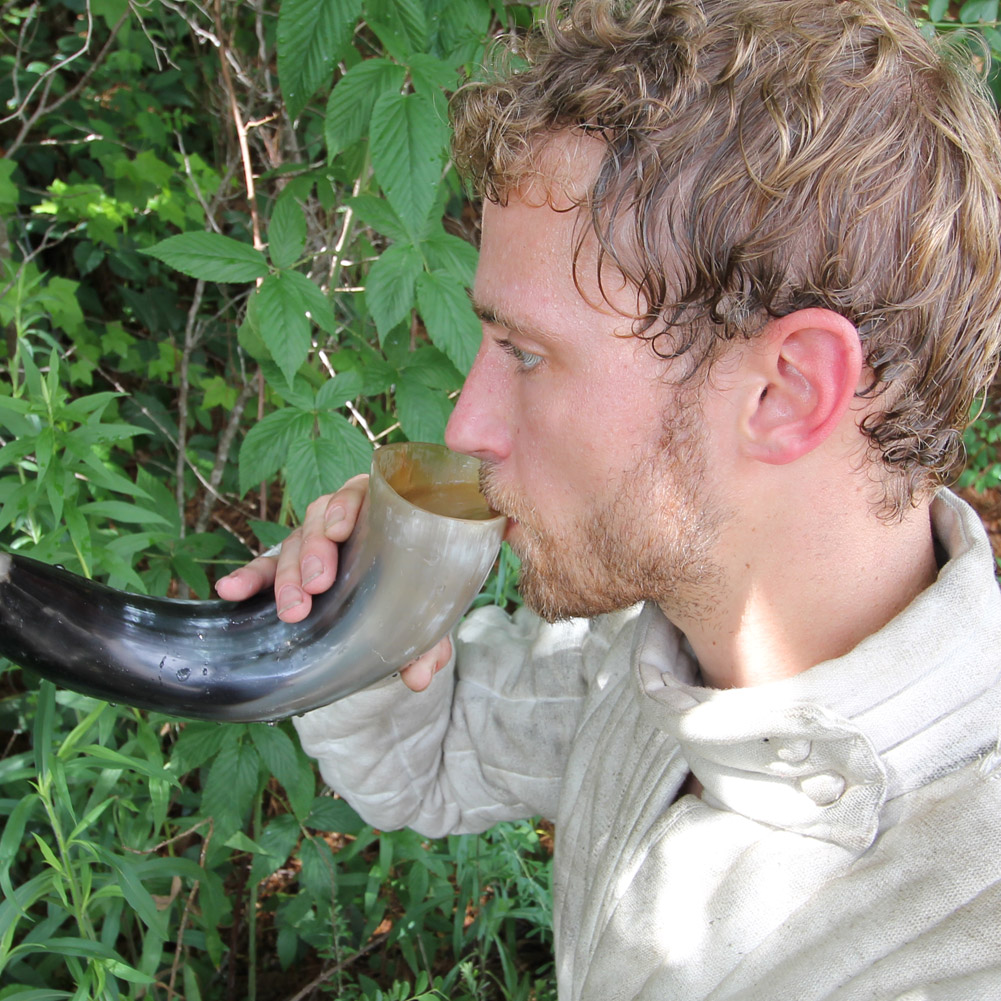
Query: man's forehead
x: 560, y: 170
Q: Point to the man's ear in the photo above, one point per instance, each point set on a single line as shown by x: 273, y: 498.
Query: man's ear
x: 801, y: 375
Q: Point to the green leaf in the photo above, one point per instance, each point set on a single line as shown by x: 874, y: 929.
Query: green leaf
x: 423, y: 412
x: 282, y: 321
x: 313, y: 299
x: 137, y: 896
x: 317, y: 873
x: 311, y: 34
x: 9, y: 194
x: 408, y: 152
x: 131, y: 514
x: 379, y: 214
x: 431, y: 76
x: 196, y: 743
x: 211, y: 256
x: 293, y: 770
x: 349, y: 107
x: 286, y: 231
x: 231, y: 783
x: 978, y: 10
x: 337, y: 391
x: 298, y: 393
x: 430, y: 367
x: 115, y: 759
x: 266, y: 447
x: 400, y: 25
x: 449, y: 317
x: 320, y: 465
x: 449, y: 253
x: 268, y: 533
x: 276, y: 843
x: 389, y: 291
x: 329, y: 814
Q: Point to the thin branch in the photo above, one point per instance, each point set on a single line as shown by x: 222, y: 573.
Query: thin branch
x: 44, y: 109
x: 190, y: 341
x: 222, y: 452
x: 165, y: 431
x: 328, y: 974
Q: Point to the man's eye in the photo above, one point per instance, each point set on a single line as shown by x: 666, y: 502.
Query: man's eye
x: 525, y: 359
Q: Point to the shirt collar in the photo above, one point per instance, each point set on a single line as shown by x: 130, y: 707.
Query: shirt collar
x: 821, y: 752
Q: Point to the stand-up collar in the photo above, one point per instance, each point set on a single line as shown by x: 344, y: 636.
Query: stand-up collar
x: 821, y: 752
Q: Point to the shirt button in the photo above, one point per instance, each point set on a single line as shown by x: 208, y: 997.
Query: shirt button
x: 794, y: 751
x: 824, y: 788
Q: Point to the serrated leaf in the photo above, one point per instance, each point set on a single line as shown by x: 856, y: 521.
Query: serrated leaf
x: 431, y: 75
x: 423, y: 412
x: 389, y: 290
x: 449, y: 317
x: 337, y: 391
x: 311, y: 34
x: 380, y: 215
x: 211, y: 256
x: 196, y: 743
x: 400, y: 25
x: 430, y: 367
x: 286, y: 231
x: 320, y: 465
x: 315, y: 302
x: 978, y: 10
x: 269, y: 534
x: 266, y: 446
x: 277, y: 842
x: 230, y: 785
x: 349, y: 107
x: 292, y: 770
x: 297, y: 393
x: 317, y: 873
x: 282, y: 321
x: 329, y: 814
x: 452, y: 254
x: 408, y: 140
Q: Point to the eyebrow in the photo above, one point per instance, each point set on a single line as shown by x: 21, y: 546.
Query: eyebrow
x: 499, y: 318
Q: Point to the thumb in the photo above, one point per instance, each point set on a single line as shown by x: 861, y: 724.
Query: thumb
x: 418, y: 673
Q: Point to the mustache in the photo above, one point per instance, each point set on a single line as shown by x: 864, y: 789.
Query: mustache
x: 502, y: 499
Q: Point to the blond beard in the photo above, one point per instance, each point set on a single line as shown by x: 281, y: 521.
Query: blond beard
x: 652, y: 541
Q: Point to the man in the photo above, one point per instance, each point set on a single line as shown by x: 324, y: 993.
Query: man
x: 740, y: 282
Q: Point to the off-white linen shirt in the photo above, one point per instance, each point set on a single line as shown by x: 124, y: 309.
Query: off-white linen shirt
x: 847, y: 844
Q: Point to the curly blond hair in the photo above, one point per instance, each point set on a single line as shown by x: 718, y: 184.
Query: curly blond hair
x: 763, y: 156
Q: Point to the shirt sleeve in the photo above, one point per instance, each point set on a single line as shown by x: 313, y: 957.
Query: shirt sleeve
x: 487, y: 741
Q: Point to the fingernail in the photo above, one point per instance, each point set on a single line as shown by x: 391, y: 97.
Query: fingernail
x: 311, y: 569
x: 334, y: 515
x: 288, y: 598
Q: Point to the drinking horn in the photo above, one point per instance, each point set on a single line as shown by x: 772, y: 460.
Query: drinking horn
x: 423, y: 544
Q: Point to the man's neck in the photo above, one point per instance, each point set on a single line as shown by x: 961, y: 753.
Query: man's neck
x: 806, y: 595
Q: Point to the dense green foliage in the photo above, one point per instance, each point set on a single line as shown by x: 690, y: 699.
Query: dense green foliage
x: 234, y: 259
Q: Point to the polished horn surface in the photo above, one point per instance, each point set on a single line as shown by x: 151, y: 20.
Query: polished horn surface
x: 423, y: 545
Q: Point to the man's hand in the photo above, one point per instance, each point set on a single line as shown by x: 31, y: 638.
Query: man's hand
x: 307, y: 565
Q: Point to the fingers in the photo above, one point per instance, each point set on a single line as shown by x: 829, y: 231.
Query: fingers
x: 247, y: 580
x: 307, y: 562
x: 418, y: 673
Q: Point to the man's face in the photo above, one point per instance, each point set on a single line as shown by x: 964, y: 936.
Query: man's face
x: 585, y: 442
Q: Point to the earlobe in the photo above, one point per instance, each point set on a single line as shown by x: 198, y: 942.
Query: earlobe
x: 802, y: 375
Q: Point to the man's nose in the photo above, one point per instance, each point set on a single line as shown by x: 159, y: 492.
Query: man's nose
x: 478, y: 424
